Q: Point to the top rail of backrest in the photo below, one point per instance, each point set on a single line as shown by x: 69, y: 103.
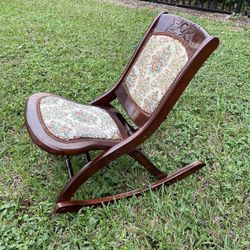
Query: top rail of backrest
x: 190, y: 32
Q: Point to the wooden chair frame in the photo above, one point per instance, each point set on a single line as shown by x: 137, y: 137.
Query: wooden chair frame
x: 200, y: 45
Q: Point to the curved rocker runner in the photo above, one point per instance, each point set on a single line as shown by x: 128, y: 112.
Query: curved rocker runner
x: 170, y: 53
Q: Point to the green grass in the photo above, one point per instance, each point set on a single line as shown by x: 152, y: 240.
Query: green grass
x: 77, y: 49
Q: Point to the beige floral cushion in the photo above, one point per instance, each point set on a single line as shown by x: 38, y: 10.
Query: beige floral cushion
x: 68, y: 120
x: 155, y: 70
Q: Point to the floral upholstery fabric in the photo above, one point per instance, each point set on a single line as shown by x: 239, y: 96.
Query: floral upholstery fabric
x: 68, y: 120
x: 155, y: 70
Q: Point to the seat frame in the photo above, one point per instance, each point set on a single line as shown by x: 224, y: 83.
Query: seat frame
x: 201, y: 45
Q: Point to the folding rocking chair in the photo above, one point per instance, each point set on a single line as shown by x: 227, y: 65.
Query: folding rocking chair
x: 170, y: 53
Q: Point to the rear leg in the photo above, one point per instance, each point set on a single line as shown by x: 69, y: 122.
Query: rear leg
x: 139, y: 156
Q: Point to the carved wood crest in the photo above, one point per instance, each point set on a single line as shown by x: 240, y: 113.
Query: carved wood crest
x: 183, y: 29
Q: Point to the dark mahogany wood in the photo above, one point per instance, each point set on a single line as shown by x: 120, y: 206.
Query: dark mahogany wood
x: 75, y: 205
x: 199, y: 45
x: 69, y: 166
x: 139, y: 156
x: 53, y: 145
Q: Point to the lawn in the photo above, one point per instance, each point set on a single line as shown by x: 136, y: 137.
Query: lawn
x: 78, y: 49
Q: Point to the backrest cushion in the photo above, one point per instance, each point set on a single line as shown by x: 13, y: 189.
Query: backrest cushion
x: 159, y: 63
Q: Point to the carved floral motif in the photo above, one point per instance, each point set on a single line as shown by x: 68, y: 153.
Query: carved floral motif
x: 183, y: 29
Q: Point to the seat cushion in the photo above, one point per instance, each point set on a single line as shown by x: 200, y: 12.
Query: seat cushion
x: 68, y: 120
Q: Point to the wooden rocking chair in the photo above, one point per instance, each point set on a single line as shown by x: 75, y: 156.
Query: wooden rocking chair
x: 170, y: 53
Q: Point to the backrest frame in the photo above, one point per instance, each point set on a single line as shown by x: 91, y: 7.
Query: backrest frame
x: 191, y: 34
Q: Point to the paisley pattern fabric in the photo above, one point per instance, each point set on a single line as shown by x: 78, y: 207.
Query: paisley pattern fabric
x: 155, y: 70
x: 68, y: 120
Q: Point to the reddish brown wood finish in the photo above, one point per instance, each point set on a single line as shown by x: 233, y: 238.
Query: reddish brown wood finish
x: 75, y: 205
x: 145, y: 162
x: 54, y: 145
x: 200, y: 45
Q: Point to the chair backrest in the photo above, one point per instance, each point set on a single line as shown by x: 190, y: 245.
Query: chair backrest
x: 169, y: 55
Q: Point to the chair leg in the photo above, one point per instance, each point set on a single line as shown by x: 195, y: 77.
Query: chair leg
x: 69, y: 167
x: 139, y: 156
x: 67, y: 205
x: 69, y: 164
x: 88, y: 157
